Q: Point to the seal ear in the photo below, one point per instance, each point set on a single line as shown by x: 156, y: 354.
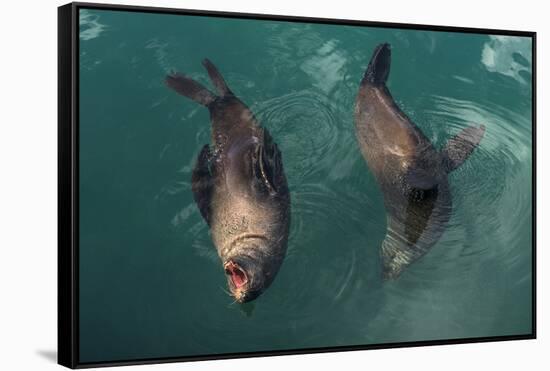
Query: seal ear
x: 201, y: 183
x: 461, y: 146
x: 190, y: 88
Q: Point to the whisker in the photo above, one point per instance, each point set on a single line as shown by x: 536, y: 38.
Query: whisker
x: 230, y: 295
x: 225, y: 291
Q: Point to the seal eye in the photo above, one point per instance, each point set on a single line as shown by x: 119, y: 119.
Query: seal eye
x: 237, y: 275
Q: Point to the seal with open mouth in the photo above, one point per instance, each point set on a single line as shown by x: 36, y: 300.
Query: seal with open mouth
x: 411, y: 173
x: 239, y: 187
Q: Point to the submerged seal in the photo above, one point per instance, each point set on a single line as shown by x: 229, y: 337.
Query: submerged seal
x: 411, y: 173
x: 239, y: 187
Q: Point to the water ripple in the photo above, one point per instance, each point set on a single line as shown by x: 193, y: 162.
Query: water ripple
x: 509, y: 56
x: 495, y: 175
x: 306, y: 127
x: 90, y: 27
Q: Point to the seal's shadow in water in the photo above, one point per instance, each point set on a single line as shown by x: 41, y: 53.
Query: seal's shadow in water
x: 247, y: 309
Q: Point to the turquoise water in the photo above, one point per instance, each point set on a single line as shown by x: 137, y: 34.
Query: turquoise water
x: 151, y: 283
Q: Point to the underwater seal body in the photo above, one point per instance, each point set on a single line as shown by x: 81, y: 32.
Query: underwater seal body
x: 411, y: 173
x: 239, y: 187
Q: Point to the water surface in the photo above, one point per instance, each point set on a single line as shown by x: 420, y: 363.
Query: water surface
x: 151, y: 284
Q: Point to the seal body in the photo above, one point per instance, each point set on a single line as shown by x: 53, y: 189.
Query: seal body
x: 411, y: 173
x: 240, y: 188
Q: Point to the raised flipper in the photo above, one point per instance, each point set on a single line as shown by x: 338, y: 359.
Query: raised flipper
x: 202, y: 184
x: 268, y: 165
x: 459, y: 147
x: 216, y: 77
x: 379, y: 66
x: 190, y: 88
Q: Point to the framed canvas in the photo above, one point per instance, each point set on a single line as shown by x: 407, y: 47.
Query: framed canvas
x: 237, y: 185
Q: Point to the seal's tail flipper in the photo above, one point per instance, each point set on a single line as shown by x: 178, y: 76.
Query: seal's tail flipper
x: 190, y: 88
x: 459, y: 147
x: 379, y: 66
x: 216, y: 77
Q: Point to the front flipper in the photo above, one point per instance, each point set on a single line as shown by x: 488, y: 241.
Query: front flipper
x: 268, y: 165
x: 202, y: 184
x: 461, y: 146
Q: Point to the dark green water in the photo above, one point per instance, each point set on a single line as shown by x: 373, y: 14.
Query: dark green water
x: 151, y: 284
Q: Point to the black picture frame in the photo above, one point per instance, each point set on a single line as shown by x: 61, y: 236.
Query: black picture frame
x: 68, y: 181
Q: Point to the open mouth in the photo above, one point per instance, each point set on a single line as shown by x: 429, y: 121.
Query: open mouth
x: 236, y: 273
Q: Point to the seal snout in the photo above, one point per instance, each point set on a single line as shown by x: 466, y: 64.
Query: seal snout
x: 236, y: 274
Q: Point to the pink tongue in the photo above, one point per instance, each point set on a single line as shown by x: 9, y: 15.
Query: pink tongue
x: 238, y: 278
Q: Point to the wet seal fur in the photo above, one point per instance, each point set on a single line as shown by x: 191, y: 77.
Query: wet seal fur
x: 411, y: 173
x: 239, y: 187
